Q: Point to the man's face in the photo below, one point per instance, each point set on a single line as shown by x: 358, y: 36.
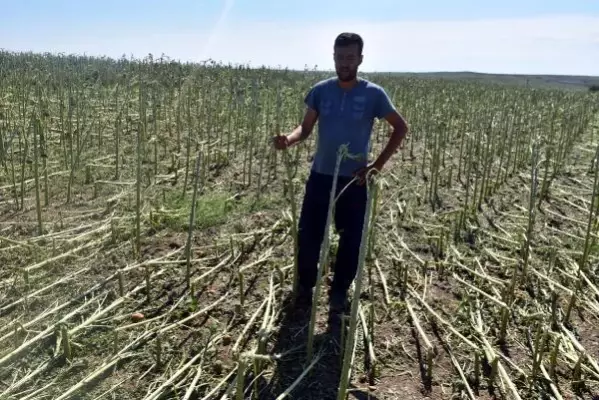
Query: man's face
x: 347, y: 60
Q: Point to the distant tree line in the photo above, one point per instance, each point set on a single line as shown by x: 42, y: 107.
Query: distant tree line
x: 594, y: 88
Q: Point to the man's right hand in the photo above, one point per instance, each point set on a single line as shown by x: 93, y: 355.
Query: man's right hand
x: 281, y: 142
x: 299, y: 134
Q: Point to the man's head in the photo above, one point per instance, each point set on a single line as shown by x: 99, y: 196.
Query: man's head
x: 347, y: 53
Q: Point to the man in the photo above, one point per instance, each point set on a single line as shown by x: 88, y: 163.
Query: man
x: 345, y: 107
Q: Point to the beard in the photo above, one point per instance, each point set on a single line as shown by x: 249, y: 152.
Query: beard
x: 347, y: 76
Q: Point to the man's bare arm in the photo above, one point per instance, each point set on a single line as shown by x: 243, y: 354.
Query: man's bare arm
x: 303, y: 131
x: 400, y: 129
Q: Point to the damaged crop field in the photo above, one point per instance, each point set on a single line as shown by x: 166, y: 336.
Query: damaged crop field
x: 147, y: 240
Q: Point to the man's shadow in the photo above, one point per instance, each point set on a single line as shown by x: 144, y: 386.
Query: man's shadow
x: 322, y: 381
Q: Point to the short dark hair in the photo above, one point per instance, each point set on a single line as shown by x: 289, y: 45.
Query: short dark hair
x: 349, y: 39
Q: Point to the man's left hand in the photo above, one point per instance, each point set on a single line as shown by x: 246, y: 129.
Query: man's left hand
x: 369, y: 170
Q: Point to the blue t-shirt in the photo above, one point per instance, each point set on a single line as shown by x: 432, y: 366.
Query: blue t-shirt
x: 346, y: 116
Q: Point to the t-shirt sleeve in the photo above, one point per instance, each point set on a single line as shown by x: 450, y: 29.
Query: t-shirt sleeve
x: 383, y: 105
x: 312, y: 98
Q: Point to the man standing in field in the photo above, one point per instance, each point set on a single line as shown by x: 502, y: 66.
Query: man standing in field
x: 345, y: 107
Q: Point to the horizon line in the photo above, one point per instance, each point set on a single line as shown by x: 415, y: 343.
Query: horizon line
x: 314, y: 69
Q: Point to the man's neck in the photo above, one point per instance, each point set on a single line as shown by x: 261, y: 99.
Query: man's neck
x: 347, y: 84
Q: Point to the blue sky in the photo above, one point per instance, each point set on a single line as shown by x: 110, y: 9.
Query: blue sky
x: 525, y: 36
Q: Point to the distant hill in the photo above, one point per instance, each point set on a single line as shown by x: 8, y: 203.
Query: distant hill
x: 547, y: 81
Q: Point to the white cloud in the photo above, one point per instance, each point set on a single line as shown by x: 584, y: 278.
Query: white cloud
x: 559, y: 44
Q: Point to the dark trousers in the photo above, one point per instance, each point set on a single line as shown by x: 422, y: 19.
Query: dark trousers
x: 348, y: 220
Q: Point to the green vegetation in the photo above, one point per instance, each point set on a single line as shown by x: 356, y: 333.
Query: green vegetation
x: 479, y: 275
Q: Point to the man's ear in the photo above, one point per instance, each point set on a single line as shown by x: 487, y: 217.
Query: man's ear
x: 361, y: 59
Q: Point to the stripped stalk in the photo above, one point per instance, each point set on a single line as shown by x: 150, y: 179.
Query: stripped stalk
x: 192, y: 219
x: 37, y: 131
x: 427, y: 343
x: 351, y: 335
x: 291, y: 196
x: 241, y: 366
x: 324, y: 252
x: 138, y: 195
x: 592, y: 216
x: 66, y: 342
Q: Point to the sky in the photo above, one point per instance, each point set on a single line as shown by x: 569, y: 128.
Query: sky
x: 508, y: 36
